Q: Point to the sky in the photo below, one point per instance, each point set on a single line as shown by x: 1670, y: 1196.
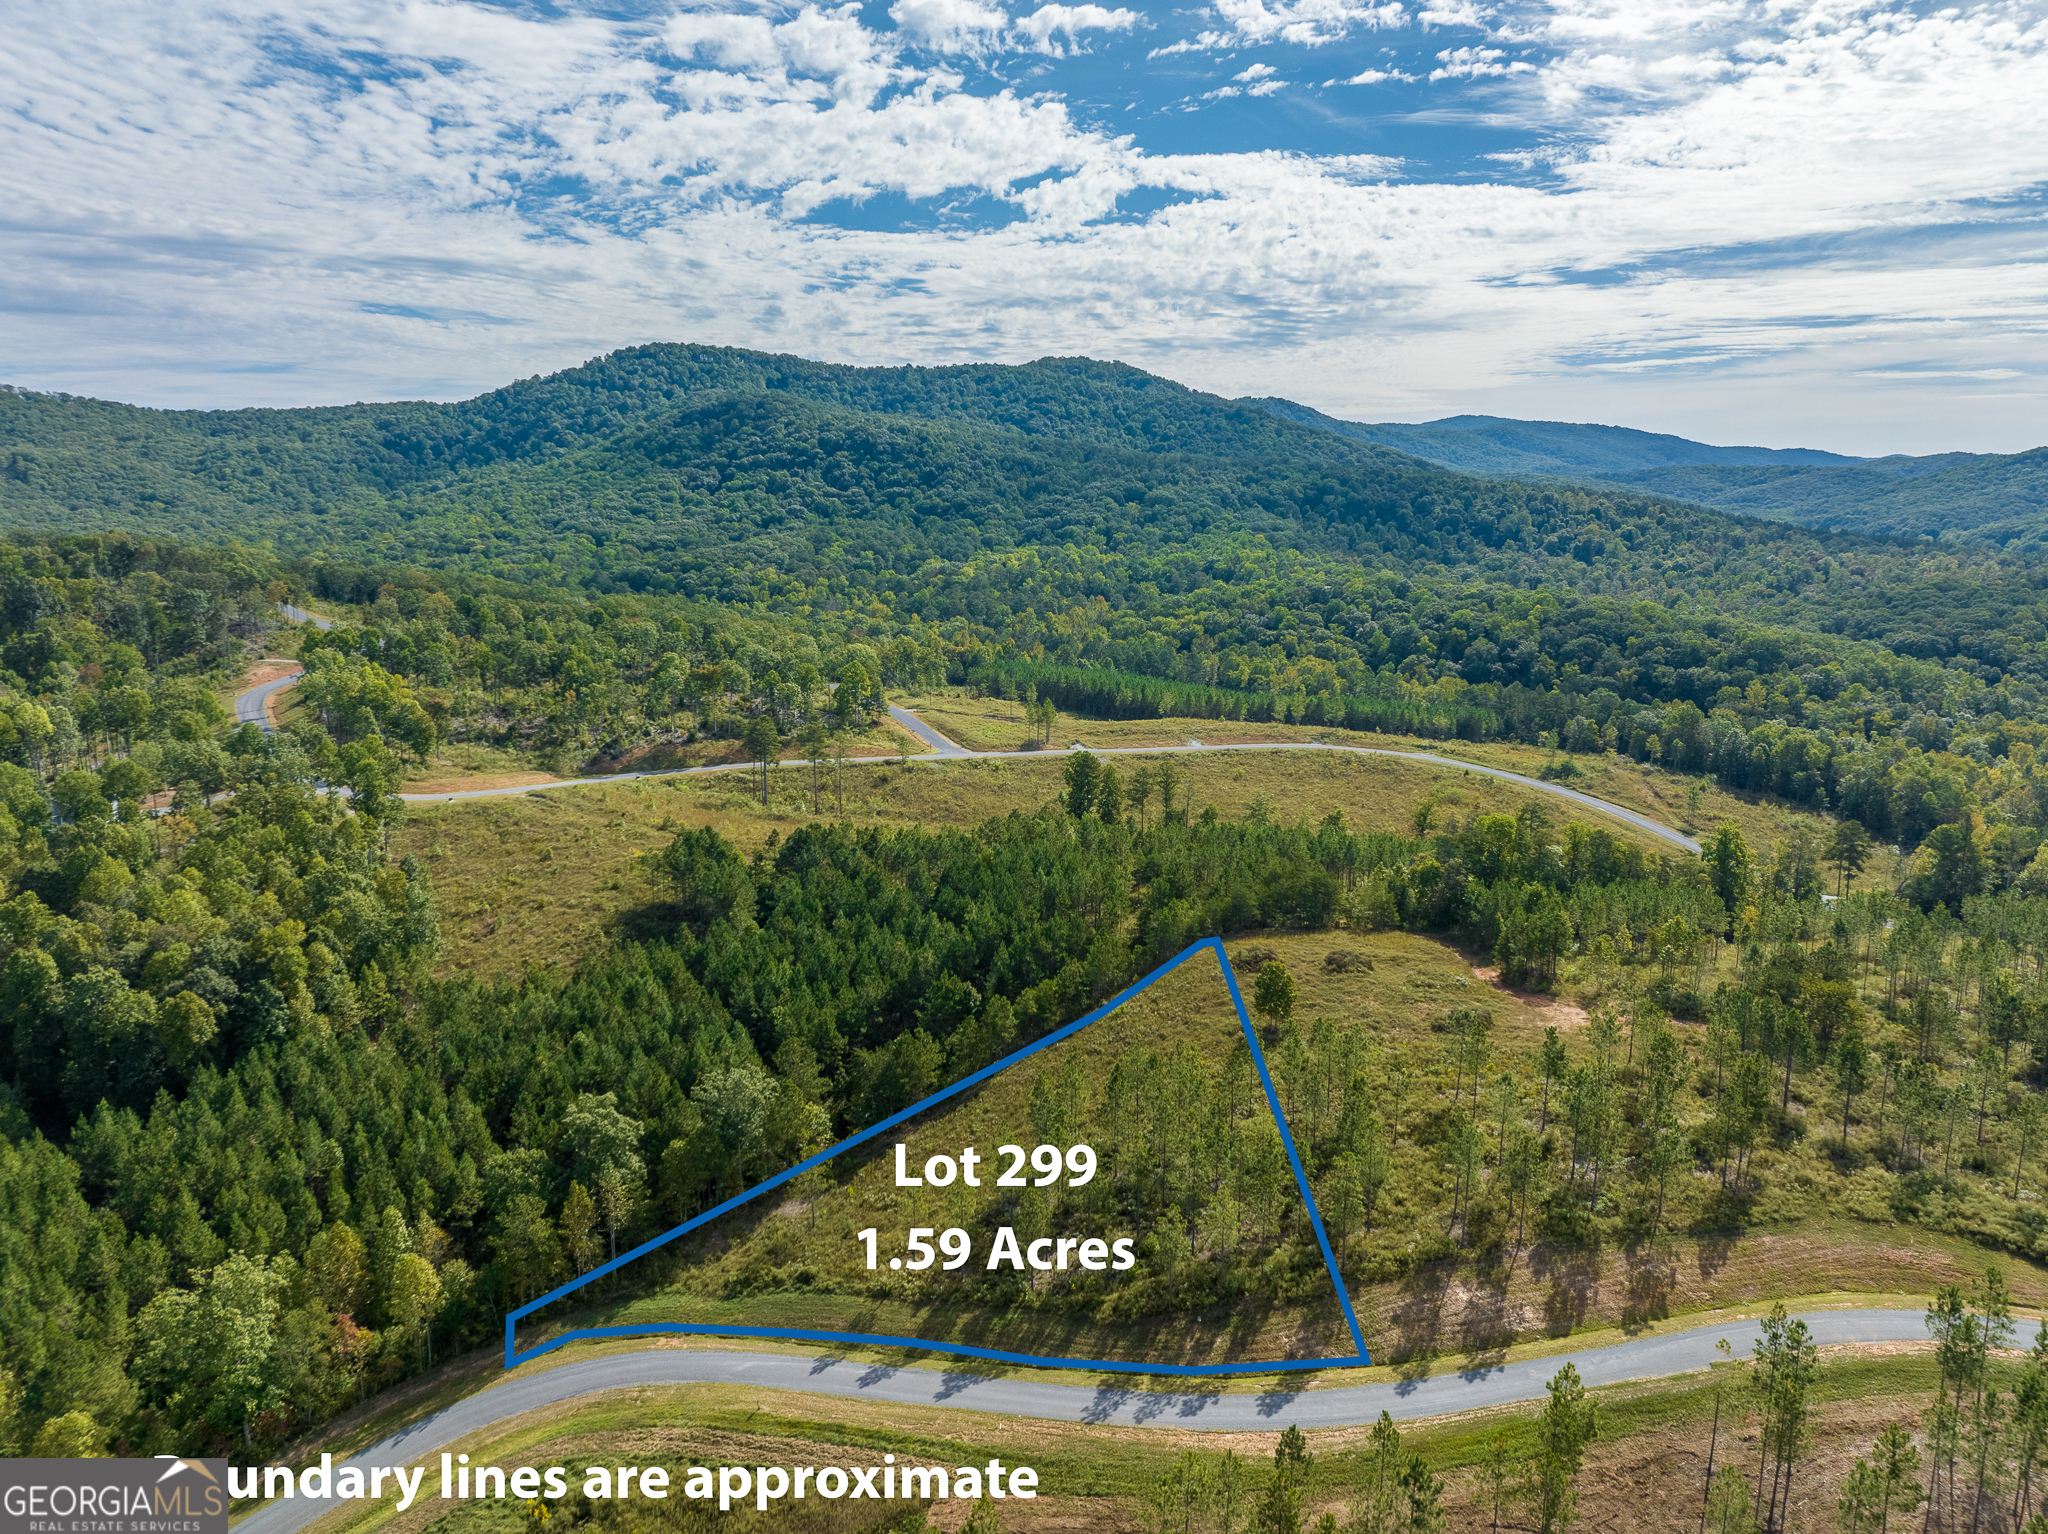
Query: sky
x: 1744, y: 221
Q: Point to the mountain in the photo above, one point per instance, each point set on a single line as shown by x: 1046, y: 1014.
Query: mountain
x: 1975, y: 497
x: 696, y: 469
x: 1491, y: 444
x: 989, y: 494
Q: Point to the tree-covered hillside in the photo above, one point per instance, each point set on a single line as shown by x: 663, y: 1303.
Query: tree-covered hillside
x: 1967, y: 498
x: 1491, y: 444
x: 707, y: 471
x: 1971, y: 498
x: 1038, y: 504
x: 254, y: 1160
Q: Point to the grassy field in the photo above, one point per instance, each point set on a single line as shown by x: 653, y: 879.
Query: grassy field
x: 993, y: 724
x: 543, y: 878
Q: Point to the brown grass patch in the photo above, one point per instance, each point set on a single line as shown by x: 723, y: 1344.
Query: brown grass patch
x: 471, y: 782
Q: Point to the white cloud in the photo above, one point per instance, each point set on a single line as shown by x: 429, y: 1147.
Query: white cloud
x: 1307, y: 23
x: 1203, y: 42
x: 1915, y: 373
x: 1255, y: 72
x: 1373, y: 77
x: 392, y: 198
x: 951, y: 26
x: 1041, y: 30
x: 1458, y: 13
x: 1475, y: 63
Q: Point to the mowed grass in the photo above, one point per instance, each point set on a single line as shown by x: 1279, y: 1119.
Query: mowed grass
x: 544, y: 878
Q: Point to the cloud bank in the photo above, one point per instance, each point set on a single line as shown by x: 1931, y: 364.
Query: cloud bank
x: 1730, y: 219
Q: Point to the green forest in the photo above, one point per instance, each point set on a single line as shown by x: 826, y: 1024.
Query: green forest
x: 256, y: 1162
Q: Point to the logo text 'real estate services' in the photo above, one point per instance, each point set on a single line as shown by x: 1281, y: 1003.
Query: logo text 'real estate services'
x: 113, y: 1496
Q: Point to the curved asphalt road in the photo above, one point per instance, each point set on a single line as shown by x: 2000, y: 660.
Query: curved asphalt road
x: 1108, y: 1405
x: 300, y: 615
x: 253, y: 706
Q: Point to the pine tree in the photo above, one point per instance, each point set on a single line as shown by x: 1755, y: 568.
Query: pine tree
x: 578, y: 1223
x: 1563, y: 1430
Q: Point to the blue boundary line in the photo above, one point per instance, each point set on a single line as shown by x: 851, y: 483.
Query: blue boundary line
x: 513, y: 1357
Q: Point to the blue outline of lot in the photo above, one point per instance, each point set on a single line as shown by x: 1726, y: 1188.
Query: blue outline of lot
x: 1362, y: 1359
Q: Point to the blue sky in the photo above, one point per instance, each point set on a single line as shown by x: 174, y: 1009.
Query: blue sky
x: 1816, y: 225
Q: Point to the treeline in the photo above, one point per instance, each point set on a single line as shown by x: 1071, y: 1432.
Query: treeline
x: 1104, y: 693
x: 1901, y: 746
x: 567, y: 677
x: 564, y: 677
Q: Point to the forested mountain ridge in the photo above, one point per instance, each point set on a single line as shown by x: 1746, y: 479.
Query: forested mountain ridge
x: 1968, y: 497
x: 811, y: 488
x: 222, y: 459
x: 1062, y: 448
x: 1979, y: 498
x: 1491, y: 444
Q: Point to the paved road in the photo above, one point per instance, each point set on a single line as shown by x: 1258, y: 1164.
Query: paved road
x: 252, y: 706
x: 926, y: 733
x: 300, y: 615
x: 1641, y: 1358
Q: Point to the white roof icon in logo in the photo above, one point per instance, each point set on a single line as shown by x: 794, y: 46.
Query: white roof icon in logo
x: 176, y: 1465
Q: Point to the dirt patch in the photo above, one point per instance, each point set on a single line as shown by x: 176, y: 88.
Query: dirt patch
x: 1552, y: 1011
x: 471, y: 782
x: 267, y: 670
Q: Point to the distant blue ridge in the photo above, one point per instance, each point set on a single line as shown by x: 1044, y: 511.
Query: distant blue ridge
x: 1491, y: 444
